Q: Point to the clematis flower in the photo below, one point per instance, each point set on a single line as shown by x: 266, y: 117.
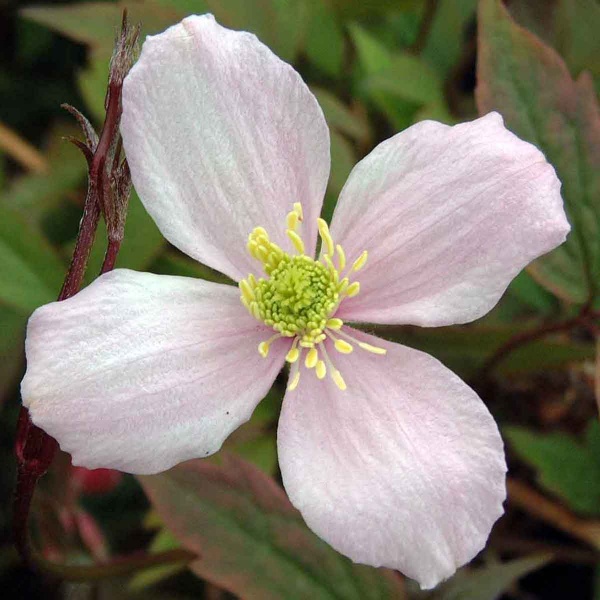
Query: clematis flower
x: 388, y: 455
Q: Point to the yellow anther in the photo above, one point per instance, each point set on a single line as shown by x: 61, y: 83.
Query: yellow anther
x: 334, y: 323
x: 326, y: 236
x: 338, y: 379
x: 298, y: 210
x: 292, y: 220
x: 343, y: 346
x: 292, y: 355
x: 360, y: 262
x: 321, y: 370
x: 263, y: 349
x: 293, y: 384
x: 373, y: 349
x: 312, y: 358
x: 296, y: 240
x: 332, y: 270
x: 341, y: 257
x: 353, y: 289
x: 247, y: 291
x: 255, y: 311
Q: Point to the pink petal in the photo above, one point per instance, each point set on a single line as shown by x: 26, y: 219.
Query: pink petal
x: 139, y: 372
x: 404, y: 469
x: 449, y: 216
x: 221, y: 137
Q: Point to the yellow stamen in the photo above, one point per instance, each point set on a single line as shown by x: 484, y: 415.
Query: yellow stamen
x: 247, y: 291
x: 298, y: 210
x: 296, y: 240
x: 343, y: 347
x: 338, y: 379
x: 299, y: 297
x: 292, y: 355
x: 321, y: 370
x: 360, y: 262
x: 326, y: 236
x: 312, y: 358
x: 341, y: 257
x: 293, y: 384
x: 353, y: 289
x: 373, y: 349
x: 334, y: 323
x: 292, y: 220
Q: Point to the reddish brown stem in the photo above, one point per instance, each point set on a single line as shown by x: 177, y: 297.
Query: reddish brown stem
x: 585, y: 318
x: 34, y: 448
x: 111, y: 256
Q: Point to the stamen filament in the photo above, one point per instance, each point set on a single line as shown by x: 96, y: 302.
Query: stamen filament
x: 363, y: 345
x: 264, y: 347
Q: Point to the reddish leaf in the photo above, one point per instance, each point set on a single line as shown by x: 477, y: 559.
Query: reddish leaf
x: 251, y: 540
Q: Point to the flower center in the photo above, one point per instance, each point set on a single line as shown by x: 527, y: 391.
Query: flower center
x: 300, y: 297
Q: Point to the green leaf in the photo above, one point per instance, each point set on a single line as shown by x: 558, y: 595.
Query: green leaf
x: 252, y: 542
x: 95, y: 24
x: 379, y: 69
x: 565, y: 466
x: 30, y: 271
x: 324, y: 39
x: 279, y: 24
x: 530, y: 85
x: 489, y: 582
x: 446, y: 39
x: 577, y: 39
x: 92, y: 83
x: 342, y: 162
x: 143, y: 241
x: 346, y: 120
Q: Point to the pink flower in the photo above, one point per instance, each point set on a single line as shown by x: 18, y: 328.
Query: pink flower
x: 389, y: 456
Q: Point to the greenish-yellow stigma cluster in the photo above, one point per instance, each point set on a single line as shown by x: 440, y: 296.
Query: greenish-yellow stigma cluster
x: 300, y: 297
x: 297, y: 299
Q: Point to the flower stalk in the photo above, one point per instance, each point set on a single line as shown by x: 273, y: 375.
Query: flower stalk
x: 109, y: 185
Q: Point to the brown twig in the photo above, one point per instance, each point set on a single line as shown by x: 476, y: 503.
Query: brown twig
x: 585, y: 318
x: 114, y: 568
x: 541, y: 507
x: 22, y: 151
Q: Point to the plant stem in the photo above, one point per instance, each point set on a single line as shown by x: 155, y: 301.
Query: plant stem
x: 115, y: 567
x: 585, y: 318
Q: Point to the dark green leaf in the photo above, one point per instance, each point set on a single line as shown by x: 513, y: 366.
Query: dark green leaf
x: 30, y: 271
x: 324, y: 39
x: 489, y: 582
x: 564, y: 466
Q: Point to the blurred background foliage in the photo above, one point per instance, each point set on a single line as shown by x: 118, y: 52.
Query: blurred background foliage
x: 376, y: 67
